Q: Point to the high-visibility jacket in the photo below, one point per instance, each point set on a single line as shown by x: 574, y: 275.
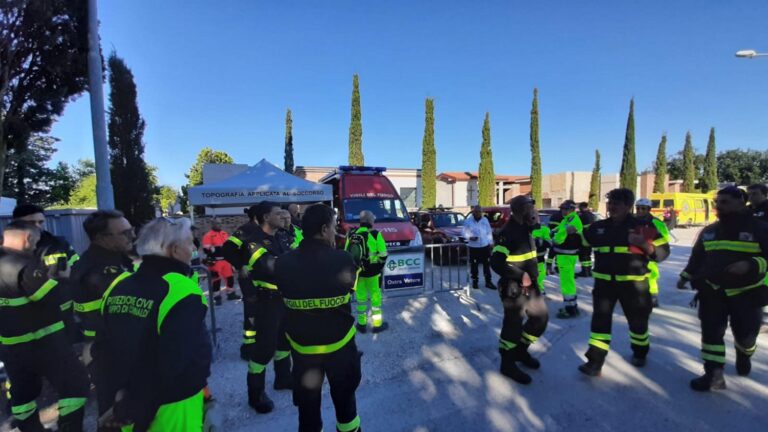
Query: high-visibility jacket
x: 29, y: 307
x: 298, y: 236
x: 568, y: 244
x: 617, y: 260
x: 543, y: 238
x: 316, y: 282
x: 376, y: 250
x: 235, y: 249
x: 514, y: 255
x: 157, y: 348
x: 263, y: 250
x: 91, y: 275
x: 51, y: 249
x: 731, y: 239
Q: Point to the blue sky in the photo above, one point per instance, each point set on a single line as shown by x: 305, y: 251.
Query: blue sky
x: 222, y: 73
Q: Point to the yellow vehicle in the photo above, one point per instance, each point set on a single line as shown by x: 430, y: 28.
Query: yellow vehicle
x: 691, y: 208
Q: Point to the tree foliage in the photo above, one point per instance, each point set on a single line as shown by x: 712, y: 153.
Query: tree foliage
x: 206, y: 156
x: 429, y: 158
x: 167, y: 197
x: 43, y: 65
x: 486, y: 181
x: 356, y: 126
x: 689, y: 165
x: 709, y: 179
x: 660, y: 167
x: 131, y: 177
x: 289, y: 165
x: 84, y: 195
x: 743, y: 167
x: 628, y: 174
x: 594, y: 184
x: 535, y: 149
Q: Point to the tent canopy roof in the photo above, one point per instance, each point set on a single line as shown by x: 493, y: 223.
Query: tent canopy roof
x: 261, y: 182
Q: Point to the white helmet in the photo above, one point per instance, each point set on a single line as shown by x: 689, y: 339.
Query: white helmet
x: 643, y: 202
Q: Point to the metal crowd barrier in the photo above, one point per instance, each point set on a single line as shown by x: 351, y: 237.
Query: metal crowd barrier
x: 204, y: 273
x: 448, y: 264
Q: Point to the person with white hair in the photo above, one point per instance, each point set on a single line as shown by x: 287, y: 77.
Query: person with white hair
x: 157, y: 347
x: 369, y: 250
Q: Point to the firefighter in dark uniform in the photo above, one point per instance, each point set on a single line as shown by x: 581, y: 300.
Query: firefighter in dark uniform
x: 317, y: 283
x: 32, y: 335
x: 514, y: 259
x: 728, y: 267
x: 585, y: 252
x: 111, y: 237
x: 758, y: 201
x: 235, y: 251
x: 266, y: 310
x: 554, y: 222
x: 623, y: 246
x: 59, y: 256
x: 157, y: 352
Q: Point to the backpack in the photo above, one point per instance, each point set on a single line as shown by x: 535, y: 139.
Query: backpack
x: 357, y: 246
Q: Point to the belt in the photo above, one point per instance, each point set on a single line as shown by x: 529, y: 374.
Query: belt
x: 619, y: 278
x: 566, y: 251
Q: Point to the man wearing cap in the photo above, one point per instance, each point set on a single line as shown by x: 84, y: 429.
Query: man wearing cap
x: 567, y: 243
x: 58, y: 256
x: 643, y: 214
x: 728, y: 268
x: 623, y: 246
x: 514, y: 259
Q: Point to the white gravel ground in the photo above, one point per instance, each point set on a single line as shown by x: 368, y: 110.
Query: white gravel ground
x: 436, y: 369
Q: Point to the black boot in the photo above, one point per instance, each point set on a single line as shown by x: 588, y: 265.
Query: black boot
x: 524, y: 357
x: 31, y: 424
x: 283, y: 378
x: 257, y: 397
x: 233, y: 296
x: 637, y: 361
x: 568, y: 312
x: 510, y: 369
x: 583, y: 273
x: 72, y: 422
x: 475, y: 284
x: 743, y: 363
x: 217, y: 300
x: 712, y: 379
x: 591, y: 368
x: 489, y: 284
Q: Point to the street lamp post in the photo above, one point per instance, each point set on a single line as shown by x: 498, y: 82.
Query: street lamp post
x: 750, y: 54
x: 105, y: 197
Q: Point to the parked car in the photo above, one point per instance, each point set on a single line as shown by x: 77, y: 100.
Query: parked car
x: 440, y: 226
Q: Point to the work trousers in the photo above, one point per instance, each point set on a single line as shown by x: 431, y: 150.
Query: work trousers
x: 268, y: 317
x: 566, y: 265
x: 249, y: 333
x: 653, y: 277
x: 478, y: 256
x: 54, y: 359
x: 343, y: 370
x: 715, y: 310
x: 369, y: 288
x: 525, y: 319
x: 542, y: 275
x: 635, y: 300
x: 585, y: 258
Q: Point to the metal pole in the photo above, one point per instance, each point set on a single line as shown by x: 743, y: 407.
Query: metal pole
x: 105, y: 197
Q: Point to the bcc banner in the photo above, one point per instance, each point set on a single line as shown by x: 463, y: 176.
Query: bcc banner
x: 404, y: 270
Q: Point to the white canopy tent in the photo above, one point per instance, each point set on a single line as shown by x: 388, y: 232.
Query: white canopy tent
x: 261, y: 182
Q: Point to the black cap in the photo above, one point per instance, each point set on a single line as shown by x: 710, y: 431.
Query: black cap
x: 568, y: 204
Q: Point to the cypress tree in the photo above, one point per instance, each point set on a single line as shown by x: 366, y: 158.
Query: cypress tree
x: 628, y: 176
x: 594, y: 184
x: 134, y: 189
x: 356, y: 127
x: 535, y: 149
x: 486, y: 181
x: 288, y: 142
x: 429, y: 158
x: 660, y: 167
x: 689, y: 168
x: 709, y: 182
